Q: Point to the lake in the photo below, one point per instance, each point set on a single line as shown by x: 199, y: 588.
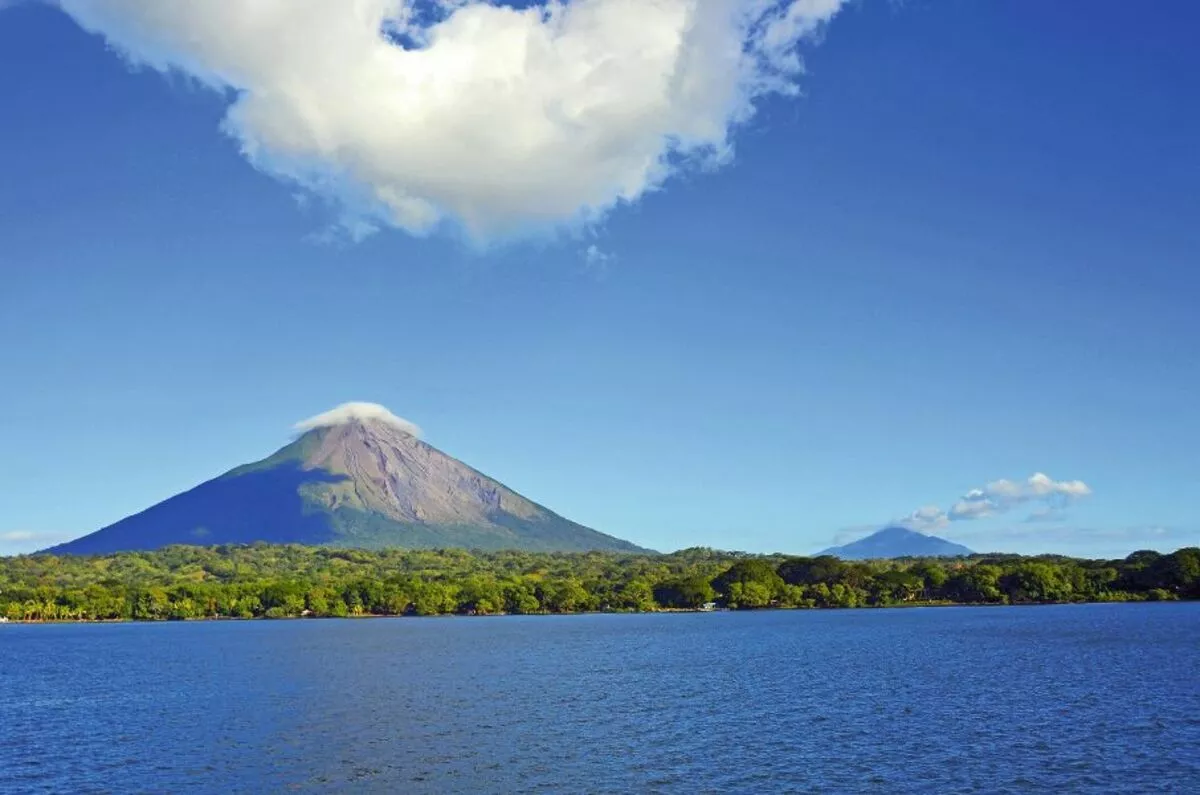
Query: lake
x: 1088, y: 698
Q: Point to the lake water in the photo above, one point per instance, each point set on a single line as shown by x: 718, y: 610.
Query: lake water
x: 1092, y: 698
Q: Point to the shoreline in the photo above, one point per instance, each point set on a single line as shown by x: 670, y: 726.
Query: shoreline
x: 374, y: 616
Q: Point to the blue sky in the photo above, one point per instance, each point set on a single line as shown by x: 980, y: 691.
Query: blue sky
x: 963, y: 254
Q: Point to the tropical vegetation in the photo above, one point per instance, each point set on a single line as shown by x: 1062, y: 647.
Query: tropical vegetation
x: 280, y: 581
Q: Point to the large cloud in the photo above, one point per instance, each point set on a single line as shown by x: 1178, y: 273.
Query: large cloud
x: 501, y: 118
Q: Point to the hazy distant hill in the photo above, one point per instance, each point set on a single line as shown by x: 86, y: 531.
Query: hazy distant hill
x: 898, y: 542
x: 361, y: 482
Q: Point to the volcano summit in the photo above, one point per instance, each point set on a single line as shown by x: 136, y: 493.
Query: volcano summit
x: 357, y: 476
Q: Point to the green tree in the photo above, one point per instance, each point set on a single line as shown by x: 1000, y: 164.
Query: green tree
x: 481, y: 594
x: 635, y: 595
x: 979, y: 584
x: 810, y: 571
x: 520, y: 596
x: 434, y: 598
x: 688, y: 592
x: 760, y: 583
x: 749, y: 595
x: 1036, y: 582
x: 565, y: 596
x: 933, y: 577
x: 896, y: 586
x: 1178, y: 572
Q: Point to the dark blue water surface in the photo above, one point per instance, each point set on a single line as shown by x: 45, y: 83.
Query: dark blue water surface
x: 1096, y: 698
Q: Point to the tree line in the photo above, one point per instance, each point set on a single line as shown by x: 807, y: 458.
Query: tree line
x: 271, y: 581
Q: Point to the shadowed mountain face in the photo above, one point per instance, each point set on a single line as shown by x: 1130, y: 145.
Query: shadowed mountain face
x: 361, y: 483
x: 898, y: 542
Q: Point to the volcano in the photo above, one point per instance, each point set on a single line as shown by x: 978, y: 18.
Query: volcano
x: 358, y: 476
x: 898, y: 542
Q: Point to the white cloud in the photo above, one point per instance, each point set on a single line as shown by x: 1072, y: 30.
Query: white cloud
x: 971, y: 509
x: 593, y: 256
x: 350, y: 412
x: 925, y: 519
x: 1041, y: 485
x: 502, y: 119
x: 1001, y: 496
x: 597, y: 261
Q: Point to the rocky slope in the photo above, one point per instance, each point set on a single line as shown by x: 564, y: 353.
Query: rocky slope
x: 360, y: 480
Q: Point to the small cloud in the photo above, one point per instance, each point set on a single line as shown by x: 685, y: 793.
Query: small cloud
x: 1040, y: 485
x: 1047, y: 513
x: 357, y: 411
x: 347, y: 229
x: 597, y: 261
x: 925, y: 520
x: 594, y: 257
x: 971, y: 509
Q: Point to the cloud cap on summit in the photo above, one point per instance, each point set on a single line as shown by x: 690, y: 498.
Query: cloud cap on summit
x: 357, y: 411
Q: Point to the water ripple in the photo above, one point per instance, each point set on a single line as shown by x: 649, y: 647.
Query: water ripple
x: 1100, y: 698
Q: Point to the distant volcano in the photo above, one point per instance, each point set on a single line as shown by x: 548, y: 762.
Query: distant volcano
x: 358, y: 477
x: 898, y: 542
